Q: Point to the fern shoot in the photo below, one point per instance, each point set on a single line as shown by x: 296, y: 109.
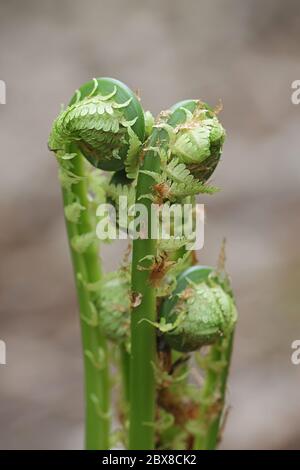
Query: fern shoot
x: 144, y: 326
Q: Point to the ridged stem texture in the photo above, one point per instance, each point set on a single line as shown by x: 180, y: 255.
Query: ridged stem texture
x: 87, y: 269
x: 215, y: 387
x: 142, y: 383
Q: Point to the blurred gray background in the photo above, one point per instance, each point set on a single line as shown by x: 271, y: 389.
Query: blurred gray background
x: 247, y: 54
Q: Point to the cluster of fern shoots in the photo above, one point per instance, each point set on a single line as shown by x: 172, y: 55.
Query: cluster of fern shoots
x: 157, y: 333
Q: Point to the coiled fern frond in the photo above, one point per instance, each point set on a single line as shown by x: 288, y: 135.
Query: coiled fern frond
x: 104, y: 121
x: 199, y: 141
x: 201, y: 310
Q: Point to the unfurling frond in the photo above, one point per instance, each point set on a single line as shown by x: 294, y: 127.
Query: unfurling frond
x: 103, y: 127
x: 176, y: 182
x: 182, y: 190
x: 81, y: 243
x: 198, y: 142
x: 132, y: 157
x: 208, y: 313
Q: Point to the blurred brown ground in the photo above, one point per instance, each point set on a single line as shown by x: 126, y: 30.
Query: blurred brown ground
x: 246, y: 53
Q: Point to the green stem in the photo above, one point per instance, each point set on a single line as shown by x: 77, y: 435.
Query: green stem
x: 96, y: 375
x: 215, y: 385
x: 143, y: 348
x: 125, y: 370
x: 143, y: 337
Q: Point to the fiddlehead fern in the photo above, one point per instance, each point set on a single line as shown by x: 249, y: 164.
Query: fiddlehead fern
x: 157, y: 154
x: 105, y: 124
x: 190, y: 146
x: 198, y: 141
x: 104, y: 121
x: 196, y: 322
x: 200, y: 310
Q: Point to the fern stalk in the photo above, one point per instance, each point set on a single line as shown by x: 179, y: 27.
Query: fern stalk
x: 143, y: 336
x: 215, y: 388
x: 125, y: 371
x: 87, y: 267
x: 103, y: 123
x: 142, y: 383
x: 165, y: 163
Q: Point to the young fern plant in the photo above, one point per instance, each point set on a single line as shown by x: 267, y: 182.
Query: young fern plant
x: 158, y: 313
x: 102, y: 123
